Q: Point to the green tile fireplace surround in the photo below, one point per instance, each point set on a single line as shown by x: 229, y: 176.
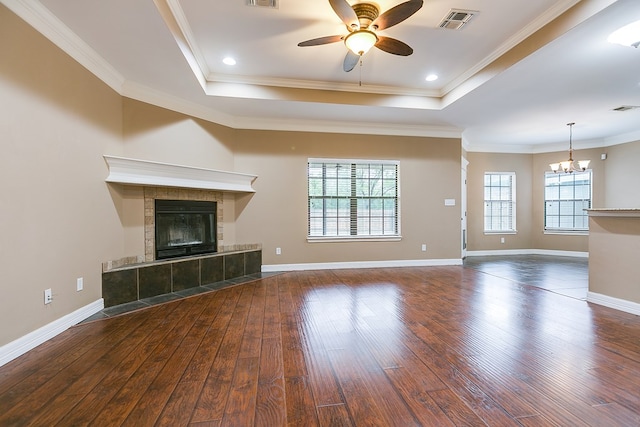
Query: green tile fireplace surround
x: 139, y: 281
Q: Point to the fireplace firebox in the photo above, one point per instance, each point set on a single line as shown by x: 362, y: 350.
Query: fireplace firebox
x: 185, y: 227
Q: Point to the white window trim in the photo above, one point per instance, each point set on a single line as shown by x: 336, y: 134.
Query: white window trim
x: 369, y: 238
x: 567, y: 232
x: 514, y: 229
x: 343, y: 239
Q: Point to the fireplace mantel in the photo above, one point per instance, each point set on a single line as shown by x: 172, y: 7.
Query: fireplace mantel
x: 143, y: 172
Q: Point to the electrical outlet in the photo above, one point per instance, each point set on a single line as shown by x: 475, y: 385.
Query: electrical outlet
x: 502, y: 240
x: 79, y: 284
x: 48, y: 296
x: 424, y: 247
x: 278, y: 251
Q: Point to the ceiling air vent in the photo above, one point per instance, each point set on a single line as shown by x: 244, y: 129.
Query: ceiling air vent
x: 626, y: 107
x: 457, y: 18
x: 263, y: 3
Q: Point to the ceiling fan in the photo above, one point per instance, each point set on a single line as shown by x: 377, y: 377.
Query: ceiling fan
x: 362, y: 21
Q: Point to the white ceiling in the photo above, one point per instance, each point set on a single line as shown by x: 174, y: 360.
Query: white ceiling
x: 510, y: 80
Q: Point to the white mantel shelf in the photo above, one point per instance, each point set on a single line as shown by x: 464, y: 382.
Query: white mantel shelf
x: 143, y: 172
x: 615, y: 212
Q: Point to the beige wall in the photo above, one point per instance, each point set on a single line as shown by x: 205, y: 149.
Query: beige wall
x: 479, y: 163
x: 59, y: 220
x: 530, y: 169
x: 622, y: 176
x: 276, y: 214
x: 160, y: 135
x: 614, y: 270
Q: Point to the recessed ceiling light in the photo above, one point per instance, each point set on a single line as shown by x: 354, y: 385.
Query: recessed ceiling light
x: 229, y: 61
x: 629, y: 35
x: 431, y: 78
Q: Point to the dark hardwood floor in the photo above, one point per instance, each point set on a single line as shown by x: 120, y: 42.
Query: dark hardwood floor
x: 560, y: 274
x: 433, y: 346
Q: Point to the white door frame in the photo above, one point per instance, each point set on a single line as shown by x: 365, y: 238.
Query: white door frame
x: 463, y: 208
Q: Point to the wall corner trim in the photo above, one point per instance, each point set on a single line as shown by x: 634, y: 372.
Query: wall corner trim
x: 615, y: 303
x: 33, y: 339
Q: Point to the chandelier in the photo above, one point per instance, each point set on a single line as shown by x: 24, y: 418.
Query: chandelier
x: 569, y: 166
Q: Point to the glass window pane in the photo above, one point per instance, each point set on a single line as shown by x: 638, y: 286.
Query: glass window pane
x: 389, y: 207
x: 552, y: 193
x: 566, y: 197
x: 505, y: 193
x: 376, y: 225
x: 343, y: 227
x: 344, y: 188
x: 375, y: 186
x: 343, y: 207
x: 554, y: 222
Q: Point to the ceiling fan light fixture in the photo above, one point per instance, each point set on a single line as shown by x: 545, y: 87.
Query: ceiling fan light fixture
x: 359, y: 42
x: 629, y: 35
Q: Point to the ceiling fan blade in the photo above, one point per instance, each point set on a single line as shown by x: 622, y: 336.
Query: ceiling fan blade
x: 346, y: 13
x: 396, y: 14
x: 321, y: 40
x: 393, y: 46
x: 350, y: 61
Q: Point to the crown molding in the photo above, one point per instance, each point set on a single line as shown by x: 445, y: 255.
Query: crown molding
x: 479, y: 147
x: 151, y: 96
x: 328, y: 86
x: 622, y: 139
x: 256, y: 123
x: 47, y: 24
x: 161, y: 99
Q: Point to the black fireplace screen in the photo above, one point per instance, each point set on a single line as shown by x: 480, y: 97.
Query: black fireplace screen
x: 185, y: 227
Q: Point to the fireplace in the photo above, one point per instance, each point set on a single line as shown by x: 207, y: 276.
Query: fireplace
x: 184, y: 227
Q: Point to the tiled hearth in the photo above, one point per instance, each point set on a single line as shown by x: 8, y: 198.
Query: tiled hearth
x: 142, y: 281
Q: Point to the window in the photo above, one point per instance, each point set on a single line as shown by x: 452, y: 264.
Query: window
x: 566, y: 196
x: 500, y: 202
x: 349, y: 198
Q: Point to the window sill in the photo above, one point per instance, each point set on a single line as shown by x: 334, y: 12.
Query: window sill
x: 340, y: 239
x: 567, y: 232
x: 500, y: 232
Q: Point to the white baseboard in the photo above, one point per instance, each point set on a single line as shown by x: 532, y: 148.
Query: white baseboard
x: 615, y: 303
x: 17, y: 348
x: 529, y: 252
x: 359, y: 264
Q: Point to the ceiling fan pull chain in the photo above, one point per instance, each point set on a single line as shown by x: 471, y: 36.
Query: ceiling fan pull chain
x: 360, y: 78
